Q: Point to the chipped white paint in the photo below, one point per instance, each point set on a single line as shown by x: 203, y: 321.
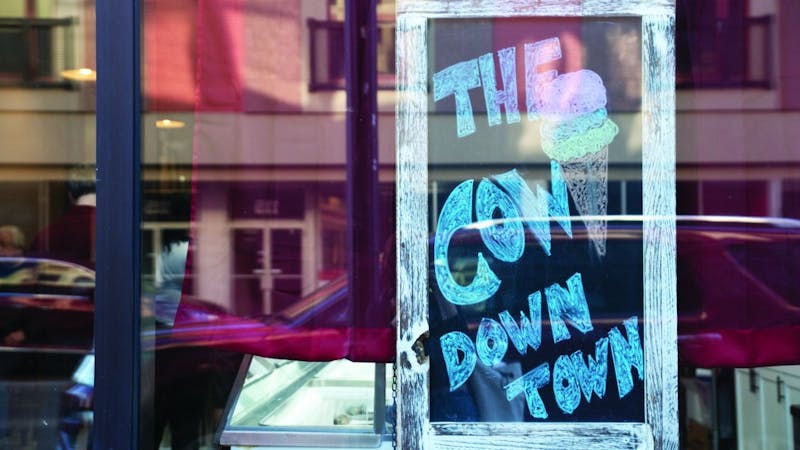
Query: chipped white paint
x: 529, y: 8
x: 658, y: 202
x: 542, y: 436
x: 405, y: 347
x: 412, y: 247
x: 660, y: 429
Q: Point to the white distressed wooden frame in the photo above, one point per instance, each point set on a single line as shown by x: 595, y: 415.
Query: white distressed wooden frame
x: 660, y: 428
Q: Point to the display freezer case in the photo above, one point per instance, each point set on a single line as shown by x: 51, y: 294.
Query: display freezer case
x: 311, y: 404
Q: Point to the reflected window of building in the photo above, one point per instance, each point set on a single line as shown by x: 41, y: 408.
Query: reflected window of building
x: 47, y: 220
x: 719, y: 44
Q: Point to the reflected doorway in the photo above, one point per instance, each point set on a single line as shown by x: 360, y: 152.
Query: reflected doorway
x: 267, y: 269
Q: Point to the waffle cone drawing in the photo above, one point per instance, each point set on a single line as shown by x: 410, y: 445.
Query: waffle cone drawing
x: 587, y: 182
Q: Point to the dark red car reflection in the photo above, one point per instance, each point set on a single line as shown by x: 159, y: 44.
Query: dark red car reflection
x: 738, y: 305
x: 202, y: 350
x: 738, y: 292
x: 737, y: 283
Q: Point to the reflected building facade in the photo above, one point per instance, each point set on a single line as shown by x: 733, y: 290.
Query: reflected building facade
x: 244, y: 150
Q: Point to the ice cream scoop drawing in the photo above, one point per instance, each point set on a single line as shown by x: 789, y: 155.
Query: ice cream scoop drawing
x: 576, y: 131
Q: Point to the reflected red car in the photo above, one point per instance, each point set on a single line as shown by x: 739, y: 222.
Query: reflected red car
x: 738, y: 305
x: 738, y: 292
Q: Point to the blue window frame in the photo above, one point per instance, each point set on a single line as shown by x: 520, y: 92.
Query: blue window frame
x: 116, y: 414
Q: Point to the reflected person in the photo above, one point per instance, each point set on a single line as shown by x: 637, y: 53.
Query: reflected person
x: 71, y: 237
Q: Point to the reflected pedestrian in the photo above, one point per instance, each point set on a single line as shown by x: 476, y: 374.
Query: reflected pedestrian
x: 71, y: 237
x: 12, y: 241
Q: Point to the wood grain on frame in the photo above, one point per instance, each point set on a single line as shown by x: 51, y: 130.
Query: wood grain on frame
x: 412, y: 229
x: 536, y: 436
x: 530, y: 8
x: 660, y: 429
x: 658, y: 204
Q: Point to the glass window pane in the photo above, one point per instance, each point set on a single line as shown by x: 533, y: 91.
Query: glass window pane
x: 737, y: 123
x: 246, y: 228
x: 47, y: 222
x: 513, y: 149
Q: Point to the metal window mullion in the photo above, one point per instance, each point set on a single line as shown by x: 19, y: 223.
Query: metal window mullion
x: 362, y: 155
x: 116, y: 326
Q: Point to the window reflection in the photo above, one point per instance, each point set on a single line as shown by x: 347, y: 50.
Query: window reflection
x: 47, y: 189
x: 244, y: 201
x: 244, y: 170
x: 733, y: 87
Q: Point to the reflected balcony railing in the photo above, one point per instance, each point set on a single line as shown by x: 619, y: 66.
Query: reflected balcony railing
x: 327, y: 55
x: 34, y: 51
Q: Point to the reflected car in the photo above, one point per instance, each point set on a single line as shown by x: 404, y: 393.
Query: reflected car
x: 206, y: 342
x: 736, y: 291
x: 738, y: 294
x: 46, y: 316
x: 738, y: 298
x: 46, y: 323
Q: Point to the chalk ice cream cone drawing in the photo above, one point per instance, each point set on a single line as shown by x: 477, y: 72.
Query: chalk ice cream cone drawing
x: 576, y: 132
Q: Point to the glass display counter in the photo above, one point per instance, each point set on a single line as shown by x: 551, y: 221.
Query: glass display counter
x: 280, y: 403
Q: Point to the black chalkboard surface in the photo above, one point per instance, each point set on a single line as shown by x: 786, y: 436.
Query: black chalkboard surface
x: 535, y: 288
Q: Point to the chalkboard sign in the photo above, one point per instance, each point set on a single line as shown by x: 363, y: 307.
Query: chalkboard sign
x: 537, y: 310
x: 535, y: 305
